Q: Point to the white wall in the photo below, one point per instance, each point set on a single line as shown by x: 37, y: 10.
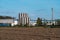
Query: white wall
x: 6, y: 20
x: 15, y: 23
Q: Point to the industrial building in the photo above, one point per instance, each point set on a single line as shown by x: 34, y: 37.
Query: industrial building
x: 7, y: 21
x: 23, y: 19
x: 15, y: 22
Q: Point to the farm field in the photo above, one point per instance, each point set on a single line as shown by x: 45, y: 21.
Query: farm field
x: 29, y: 33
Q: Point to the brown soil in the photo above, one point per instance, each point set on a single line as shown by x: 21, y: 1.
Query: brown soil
x: 29, y: 33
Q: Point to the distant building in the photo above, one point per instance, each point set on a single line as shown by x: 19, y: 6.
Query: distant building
x: 6, y: 21
x: 44, y: 22
x: 15, y: 22
x: 49, y: 22
x: 23, y: 19
x: 32, y: 22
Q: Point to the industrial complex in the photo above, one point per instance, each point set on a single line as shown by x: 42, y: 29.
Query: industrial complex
x: 24, y: 19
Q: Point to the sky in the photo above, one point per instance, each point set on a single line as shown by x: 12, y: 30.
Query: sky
x: 34, y: 8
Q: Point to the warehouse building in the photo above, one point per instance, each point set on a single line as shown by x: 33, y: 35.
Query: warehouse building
x: 6, y: 21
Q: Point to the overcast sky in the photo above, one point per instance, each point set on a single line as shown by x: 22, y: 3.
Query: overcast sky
x: 34, y: 8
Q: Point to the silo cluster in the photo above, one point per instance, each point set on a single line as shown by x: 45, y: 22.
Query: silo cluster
x: 23, y: 19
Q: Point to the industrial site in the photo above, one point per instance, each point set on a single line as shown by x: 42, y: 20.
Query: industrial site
x: 29, y: 19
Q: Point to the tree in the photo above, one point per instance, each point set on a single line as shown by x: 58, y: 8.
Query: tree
x: 6, y: 17
x: 39, y: 21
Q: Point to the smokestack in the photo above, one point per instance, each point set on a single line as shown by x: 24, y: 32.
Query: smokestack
x: 52, y: 13
x: 19, y: 19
